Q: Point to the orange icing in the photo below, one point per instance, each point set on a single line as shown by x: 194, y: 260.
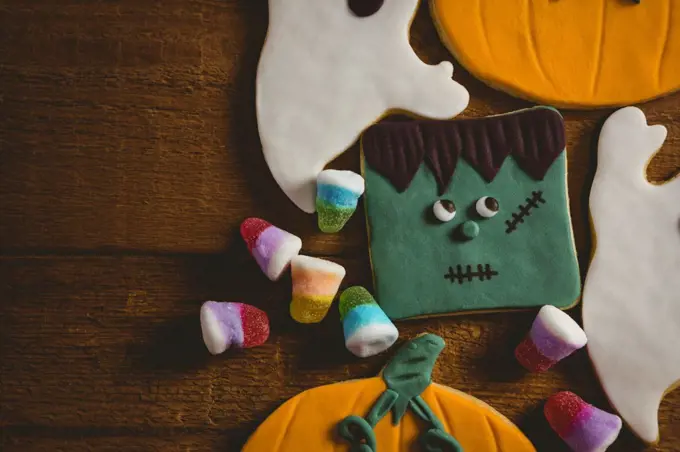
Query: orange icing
x: 309, y: 421
x: 567, y: 53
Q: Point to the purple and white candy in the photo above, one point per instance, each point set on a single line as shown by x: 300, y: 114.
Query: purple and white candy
x: 554, y: 335
x: 238, y: 325
x: 272, y: 247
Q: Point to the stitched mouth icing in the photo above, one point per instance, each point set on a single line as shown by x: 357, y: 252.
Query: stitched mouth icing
x: 483, y: 273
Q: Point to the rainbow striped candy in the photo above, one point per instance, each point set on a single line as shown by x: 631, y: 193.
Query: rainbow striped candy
x: 272, y: 248
x: 232, y: 324
x: 368, y: 331
x: 553, y: 336
x: 315, y: 284
x: 582, y: 426
x: 337, y: 195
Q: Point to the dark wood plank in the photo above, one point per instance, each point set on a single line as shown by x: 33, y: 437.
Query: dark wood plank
x: 113, y: 344
x: 115, y: 440
x: 136, y: 131
x: 128, y: 157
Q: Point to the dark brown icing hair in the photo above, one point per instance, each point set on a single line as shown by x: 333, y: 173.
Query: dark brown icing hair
x: 534, y: 138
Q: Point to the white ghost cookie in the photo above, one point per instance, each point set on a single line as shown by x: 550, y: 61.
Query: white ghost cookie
x: 631, y: 299
x: 331, y: 68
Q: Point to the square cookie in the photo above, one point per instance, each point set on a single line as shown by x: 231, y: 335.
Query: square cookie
x: 470, y: 215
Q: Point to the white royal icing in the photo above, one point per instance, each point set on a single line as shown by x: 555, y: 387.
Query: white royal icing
x: 631, y: 299
x: 326, y: 74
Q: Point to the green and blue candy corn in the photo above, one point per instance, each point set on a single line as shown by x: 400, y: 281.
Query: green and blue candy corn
x: 368, y: 331
x: 337, y: 195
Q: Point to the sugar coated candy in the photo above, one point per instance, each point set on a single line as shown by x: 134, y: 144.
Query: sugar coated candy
x: 337, y: 195
x: 368, y: 331
x: 582, y: 426
x: 238, y: 325
x: 272, y: 248
x: 315, y: 285
x: 554, y: 335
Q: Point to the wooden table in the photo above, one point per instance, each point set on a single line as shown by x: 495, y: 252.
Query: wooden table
x: 129, y: 155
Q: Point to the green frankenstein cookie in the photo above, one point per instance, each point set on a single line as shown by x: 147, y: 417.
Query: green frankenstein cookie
x: 470, y: 215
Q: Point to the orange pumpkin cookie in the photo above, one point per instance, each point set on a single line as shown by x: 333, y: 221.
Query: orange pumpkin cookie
x: 567, y: 52
x: 399, y: 410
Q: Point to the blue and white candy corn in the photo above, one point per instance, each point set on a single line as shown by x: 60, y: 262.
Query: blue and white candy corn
x: 337, y: 195
x: 368, y: 331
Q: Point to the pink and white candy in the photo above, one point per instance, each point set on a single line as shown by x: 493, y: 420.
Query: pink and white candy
x: 226, y: 325
x: 582, y: 426
x: 272, y: 248
x: 554, y: 335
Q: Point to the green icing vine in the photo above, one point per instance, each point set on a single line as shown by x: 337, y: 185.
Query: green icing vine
x: 407, y: 375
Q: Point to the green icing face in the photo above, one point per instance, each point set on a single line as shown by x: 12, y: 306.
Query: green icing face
x: 423, y: 266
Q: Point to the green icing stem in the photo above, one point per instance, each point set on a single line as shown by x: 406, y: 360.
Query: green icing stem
x: 407, y: 375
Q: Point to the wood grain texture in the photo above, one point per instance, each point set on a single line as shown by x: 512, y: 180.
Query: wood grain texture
x: 128, y: 157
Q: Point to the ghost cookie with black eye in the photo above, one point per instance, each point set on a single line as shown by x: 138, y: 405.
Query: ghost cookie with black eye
x: 470, y: 215
x: 331, y: 68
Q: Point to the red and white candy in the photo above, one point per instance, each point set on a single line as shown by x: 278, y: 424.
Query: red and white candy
x: 226, y: 325
x: 553, y: 336
x: 272, y: 248
x: 582, y: 426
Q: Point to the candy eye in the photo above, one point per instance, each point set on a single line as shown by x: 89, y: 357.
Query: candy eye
x: 487, y: 206
x: 444, y: 210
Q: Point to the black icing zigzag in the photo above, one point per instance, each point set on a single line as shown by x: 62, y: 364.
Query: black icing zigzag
x: 534, y: 137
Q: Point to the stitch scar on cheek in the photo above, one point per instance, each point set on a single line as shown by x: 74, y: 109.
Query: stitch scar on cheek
x: 524, y: 211
x: 505, y: 243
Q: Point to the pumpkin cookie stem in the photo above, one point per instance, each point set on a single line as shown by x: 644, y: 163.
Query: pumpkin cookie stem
x: 423, y: 411
x: 436, y: 439
x: 382, y: 407
x: 407, y: 375
x: 358, y: 433
x: 410, y: 371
